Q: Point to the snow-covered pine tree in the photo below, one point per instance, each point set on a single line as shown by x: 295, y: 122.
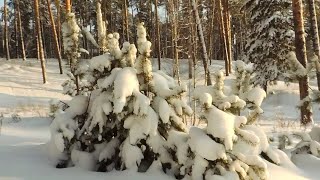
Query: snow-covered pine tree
x: 222, y: 101
x: 71, y: 35
x: 229, y: 147
x: 115, y: 125
x: 242, y: 86
x: 244, y: 96
x: 270, y: 38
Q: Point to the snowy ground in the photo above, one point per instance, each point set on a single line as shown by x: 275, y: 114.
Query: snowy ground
x: 25, y: 128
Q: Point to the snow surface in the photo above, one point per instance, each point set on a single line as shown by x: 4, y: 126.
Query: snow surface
x: 23, y: 152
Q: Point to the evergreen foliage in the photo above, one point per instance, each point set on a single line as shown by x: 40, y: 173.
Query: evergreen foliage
x: 270, y: 38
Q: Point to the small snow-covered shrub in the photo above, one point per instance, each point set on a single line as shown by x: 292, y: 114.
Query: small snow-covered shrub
x: 228, y: 148
x: 245, y: 97
x: 15, y: 117
x: 55, y: 106
x: 309, y: 142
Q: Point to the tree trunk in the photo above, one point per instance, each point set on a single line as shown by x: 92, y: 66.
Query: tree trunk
x: 227, y: 28
x: 158, y: 38
x: 223, y: 34
x: 68, y: 6
x: 6, y: 38
x: 38, y: 27
x: 43, y: 39
x: 101, y: 27
x: 2, y: 36
x: 126, y: 20
x: 300, y: 43
x: 56, y: 41
x: 20, y: 31
x: 57, y: 4
x: 191, y: 52
x: 174, y: 39
x: 203, y: 44
x: 314, y: 36
x: 16, y: 29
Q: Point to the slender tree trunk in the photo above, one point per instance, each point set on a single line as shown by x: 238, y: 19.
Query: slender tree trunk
x: 68, y: 6
x: 2, y: 36
x: 165, y: 51
x: 203, y: 45
x: 58, y: 20
x: 20, y: 31
x: 101, y: 27
x: 158, y: 38
x: 44, y: 40
x: 227, y: 28
x: 38, y: 27
x: 300, y: 43
x: 56, y: 41
x: 126, y: 20
x: 174, y: 38
x: 6, y: 38
x: 191, y: 41
x: 211, y: 17
x: 16, y: 29
x: 37, y: 41
x: 314, y: 36
x: 223, y: 34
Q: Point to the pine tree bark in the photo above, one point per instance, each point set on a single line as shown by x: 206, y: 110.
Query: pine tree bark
x: 126, y: 20
x: 158, y: 38
x: 191, y: 43
x: 57, y: 4
x: 314, y: 33
x: 227, y: 24
x: 224, y: 36
x: 2, y: 36
x: 203, y: 44
x: 16, y: 29
x: 38, y: 27
x: 211, y: 18
x: 43, y: 39
x: 56, y: 41
x: 174, y: 38
x: 6, y: 38
x: 68, y: 6
x: 20, y: 31
x: 300, y: 43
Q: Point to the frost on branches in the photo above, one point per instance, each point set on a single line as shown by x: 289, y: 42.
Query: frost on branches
x: 244, y: 96
x: 101, y: 27
x: 71, y: 33
x: 129, y: 117
x: 118, y: 123
x: 71, y: 37
x: 230, y: 147
x: 270, y: 38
